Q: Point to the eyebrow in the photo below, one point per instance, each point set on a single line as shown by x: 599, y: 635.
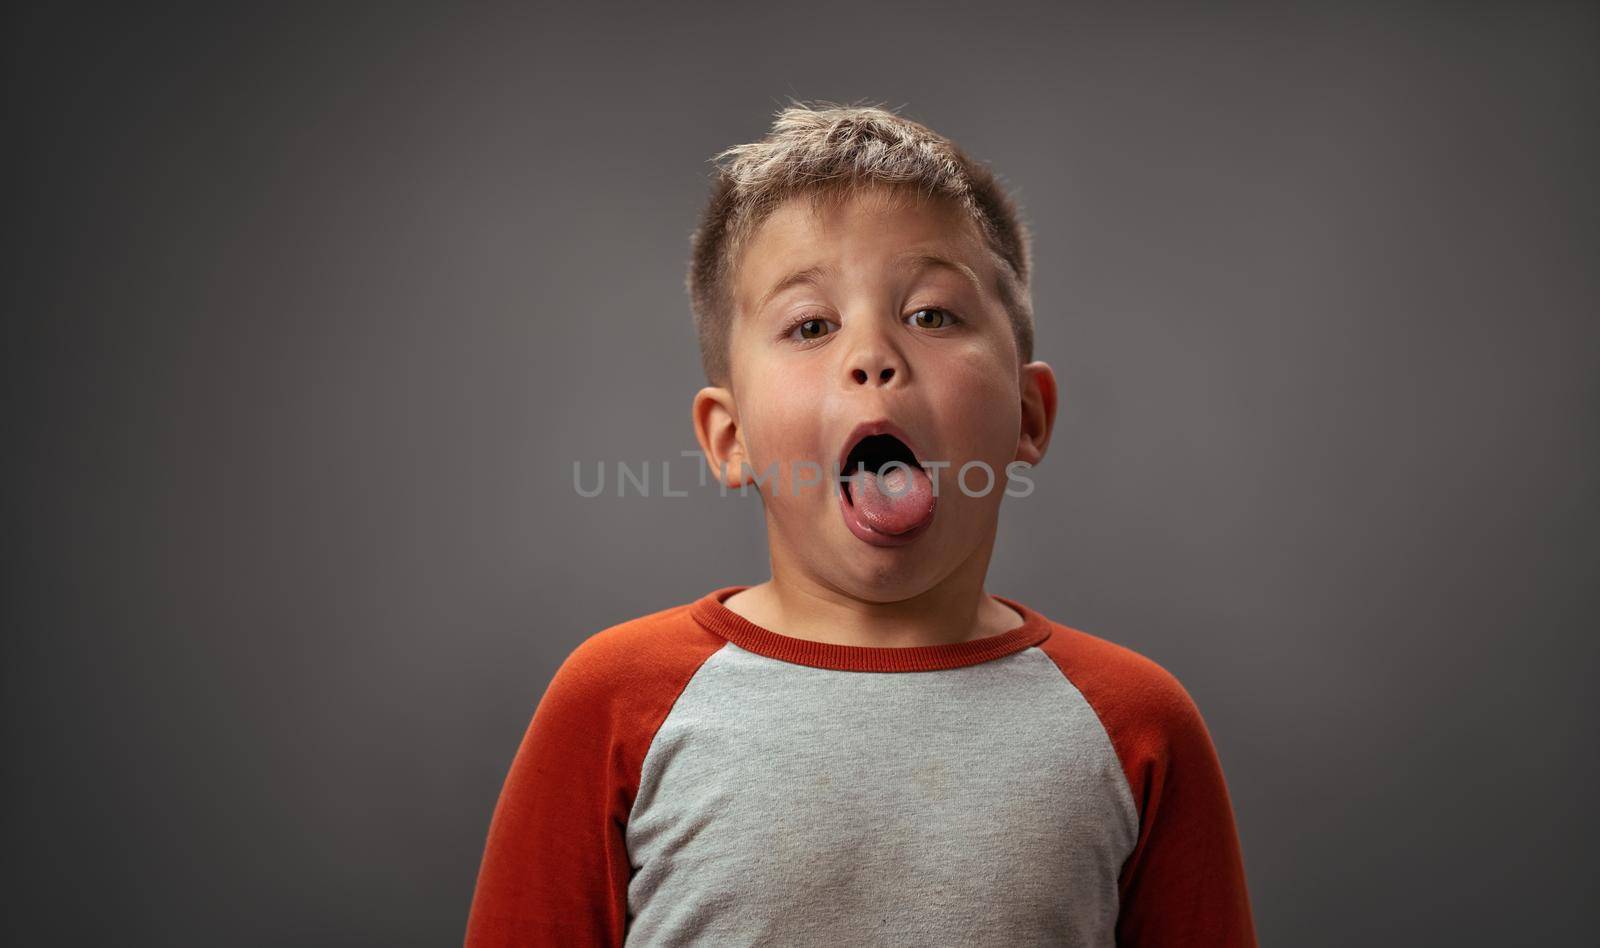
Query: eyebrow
x: 810, y: 276
x: 932, y: 261
x: 915, y: 261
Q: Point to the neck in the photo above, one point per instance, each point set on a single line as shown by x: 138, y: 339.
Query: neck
x: 799, y: 603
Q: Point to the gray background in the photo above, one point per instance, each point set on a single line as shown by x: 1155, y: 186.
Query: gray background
x: 310, y: 312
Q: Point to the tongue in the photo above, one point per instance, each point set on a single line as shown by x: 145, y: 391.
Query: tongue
x: 899, y: 501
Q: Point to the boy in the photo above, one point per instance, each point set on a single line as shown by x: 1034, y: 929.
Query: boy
x: 866, y: 749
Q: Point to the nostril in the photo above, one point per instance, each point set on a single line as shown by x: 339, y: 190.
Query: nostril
x: 886, y: 375
x: 859, y: 375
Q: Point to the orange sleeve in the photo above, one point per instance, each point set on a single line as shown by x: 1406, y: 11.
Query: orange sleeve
x: 555, y: 870
x: 1184, y: 883
x: 555, y: 867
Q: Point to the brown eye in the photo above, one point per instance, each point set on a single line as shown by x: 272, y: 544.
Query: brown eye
x: 932, y: 318
x: 812, y: 328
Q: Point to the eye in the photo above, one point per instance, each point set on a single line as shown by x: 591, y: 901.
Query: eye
x: 807, y: 329
x: 931, y: 317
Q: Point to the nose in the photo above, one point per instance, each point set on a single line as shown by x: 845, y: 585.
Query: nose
x: 875, y: 366
x: 861, y: 375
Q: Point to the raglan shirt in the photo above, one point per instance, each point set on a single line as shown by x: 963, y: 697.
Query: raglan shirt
x: 690, y: 778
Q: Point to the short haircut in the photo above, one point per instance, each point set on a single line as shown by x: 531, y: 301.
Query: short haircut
x: 829, y: 150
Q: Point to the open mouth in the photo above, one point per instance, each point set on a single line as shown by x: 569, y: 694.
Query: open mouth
x: 872, y: 453
x: 884, y: 493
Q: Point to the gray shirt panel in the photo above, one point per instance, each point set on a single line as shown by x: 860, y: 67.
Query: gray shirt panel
x: 790, y: 805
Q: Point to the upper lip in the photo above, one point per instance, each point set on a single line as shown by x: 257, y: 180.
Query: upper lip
x: 865, y: 429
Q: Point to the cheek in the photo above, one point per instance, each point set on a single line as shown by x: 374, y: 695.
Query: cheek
x: 981, y: 404
x: 780, y: 417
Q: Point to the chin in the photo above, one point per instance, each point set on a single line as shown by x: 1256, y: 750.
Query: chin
x: 888, y: 574
x: 885, y: 588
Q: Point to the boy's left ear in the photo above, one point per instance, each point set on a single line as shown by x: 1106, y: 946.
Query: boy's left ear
x: 1038, y: 411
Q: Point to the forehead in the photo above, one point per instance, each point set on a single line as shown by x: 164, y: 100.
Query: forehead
x: 864, y: 229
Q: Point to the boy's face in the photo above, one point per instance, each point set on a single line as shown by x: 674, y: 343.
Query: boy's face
x: 877, y: 333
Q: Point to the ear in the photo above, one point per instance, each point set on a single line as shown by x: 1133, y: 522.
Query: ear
x: 1038, y: 411
x: 716, y: 427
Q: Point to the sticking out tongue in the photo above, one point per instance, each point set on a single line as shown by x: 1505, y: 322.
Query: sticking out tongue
x: 899, y: 501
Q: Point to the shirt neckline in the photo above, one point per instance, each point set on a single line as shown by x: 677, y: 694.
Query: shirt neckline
x: 711, y: 611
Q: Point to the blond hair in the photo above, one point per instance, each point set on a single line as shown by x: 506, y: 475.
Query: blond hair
x: 828, y: 150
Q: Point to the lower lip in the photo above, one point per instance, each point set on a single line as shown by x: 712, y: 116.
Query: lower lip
x: 868, y: 535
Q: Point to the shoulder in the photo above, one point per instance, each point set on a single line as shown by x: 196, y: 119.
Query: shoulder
x: 640, y: 661
x: 1146, y: 711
